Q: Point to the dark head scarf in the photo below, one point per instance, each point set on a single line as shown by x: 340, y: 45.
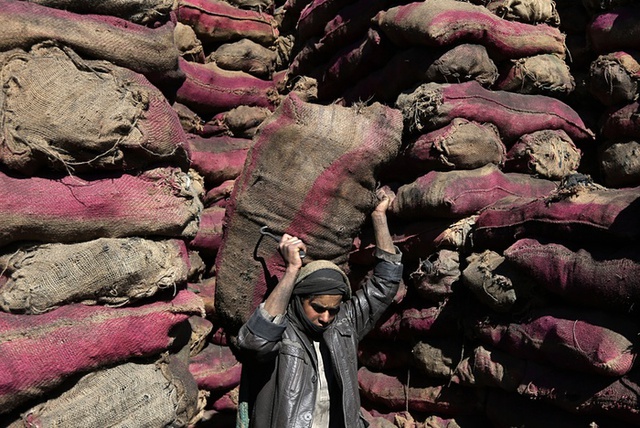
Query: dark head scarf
x: 319, y: 277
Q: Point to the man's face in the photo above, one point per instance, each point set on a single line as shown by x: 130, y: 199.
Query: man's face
x: 322, y: 309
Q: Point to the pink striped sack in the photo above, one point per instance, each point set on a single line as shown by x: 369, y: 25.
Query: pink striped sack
x: 107, y: 117
x: 41, y: 351
x: 215, y: 369
x: 573, y: 339
x: 577, y: 211
x: 209, y: 90
x: 150, y: 51
x: 218, y: 159
x: 209, y: 236
x: 420, y: 394
x: 596, y: 276
x: 449, y: 22
x: 457, y: 194
x: 432, y: 105
x: 615, y: 30
x: 421, y: 64
x: 410, y: 322
x: 217, y: 21
x: 305, y: 160
x: 315, y: 16
x: 146, y: 12
x: 159, y: 202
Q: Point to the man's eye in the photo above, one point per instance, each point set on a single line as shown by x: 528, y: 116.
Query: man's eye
x: 333, y: 311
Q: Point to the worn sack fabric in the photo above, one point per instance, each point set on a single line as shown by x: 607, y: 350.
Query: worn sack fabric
x: 95, y: 36
x: 436, y: 276
x: 36, y: 349
x: 381, y: 355
x: 208, y: 89
x: 458, y: 194
x: 574, y: 392
x: 311, y: 173
x: 216, y: 21
x: 218, y: 159
x: 547, y: 154
x: 615, y: 30
x: 437, y: 357
x: 432, y: 105
x: 158, y: 202
x: 528, y: 11
x: 240, y: 122
x: 613, y: 77
x: 496, y: 282
x: 219, y: 195
x: 209, y: 236
x: 582, y: 213
x: 597, y: 276
x: 545, y: 74
x: 315, y: 15
x: 106, y: 270
x: 419, y: 394
x: 131, y: 394
x: 450, y: 22
x: 570, y: 338
x: 188, y: 44
x: 245, y: 55
x: 62, y: 112
x: 216, y: 369
x: 191, y: 122
x: 139, y: 11
x: 462, y: 144
x: 621, y: 122
x: 421, y: 64
x: 619, y: 163
x: 352, y: 63
x: 411, y: 322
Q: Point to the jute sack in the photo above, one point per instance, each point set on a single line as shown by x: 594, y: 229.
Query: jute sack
x: 613, y: 77
x: 620, y: 163
x: 106, y: 270
x: 545, y: 74
x: 138, y: 11
x: 106, y: 116
x: 150, y: 51
x: 157, y: 394
x: 529, y: 11
x: 159, y: 202
x: 40, y: 352
x: 311, y: 173
x: 245, y: 55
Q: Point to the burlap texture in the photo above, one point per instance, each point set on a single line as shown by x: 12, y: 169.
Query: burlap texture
x: 436, y: 275
x: 311, y: 173
x: 613, y: 77
x: 246, y: 55
x: 620, y: 163
x: 97, y: 36
x: 106, y: 117
x: 437, y: 358
x: 239, y: 122
x: 529, y: 11
x: 188, y: 44
x: 158, y: 202
x: 545, y: 74
x: 621, y: 122
x: 215, y: 369
x: 36, y: 349
x: 132, y: 394
x: 450, y: 22
x: 138, y: 11
x: 113, y: 271
x: 218, y: 159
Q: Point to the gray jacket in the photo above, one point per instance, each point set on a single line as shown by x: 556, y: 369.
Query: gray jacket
x: 279, y: 362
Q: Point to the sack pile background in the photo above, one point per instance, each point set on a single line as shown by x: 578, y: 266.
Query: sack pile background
x: 134, y: 133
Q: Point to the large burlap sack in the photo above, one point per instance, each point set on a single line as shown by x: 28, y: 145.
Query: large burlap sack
x: 149, y: 51
x: 208, y: 89
x: 431, y: 105
x: 311, y: 173
x: 615, y: 30
x: 437, y: 275
x: 598, y: 276
x: 570, y: 338
x: 437, y: 358
x: 450, y: 22
x: 106, y: 117
x: 218, y: 159
x: 421, y: 394
x: 528, y: 11
x: 613, y: 77
x: 245, y: 55
x: 620, y: 163
x: 458, y: 194
x: 580, y: 212
x: 547, y: 154
x: 545, y: 74
x: 209, y: 236
x: 315, y: 16
x: 421, y: 64
x: 41, y: 351
x: 106, y: 270
x: 149, y: 395
x: 216, y: 21
x: 158, y: 202
x: 139, y: 11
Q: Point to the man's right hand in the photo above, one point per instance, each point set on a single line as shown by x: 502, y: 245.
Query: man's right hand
x: 290, y: 247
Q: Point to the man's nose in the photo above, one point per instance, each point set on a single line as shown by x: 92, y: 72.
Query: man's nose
x: 325, y: 317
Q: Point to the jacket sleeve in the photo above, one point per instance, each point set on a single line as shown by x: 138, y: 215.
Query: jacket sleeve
x: 260, y: 337
x: 369, y: 303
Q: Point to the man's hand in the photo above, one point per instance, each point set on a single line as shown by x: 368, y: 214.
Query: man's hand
x: 290, y: 247
x: 379, y: 217
x: 385, y: 197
